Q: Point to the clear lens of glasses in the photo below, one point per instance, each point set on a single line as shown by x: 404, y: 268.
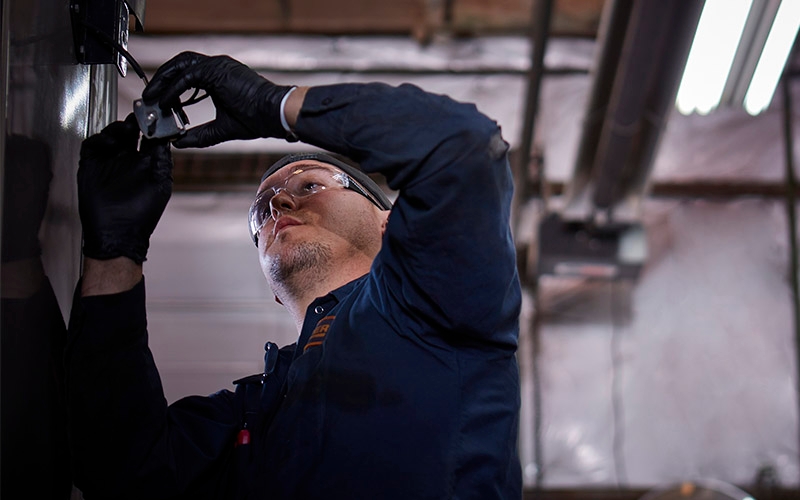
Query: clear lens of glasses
x: 301, y: 183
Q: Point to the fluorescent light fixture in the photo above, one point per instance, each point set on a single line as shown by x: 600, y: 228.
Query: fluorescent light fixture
x: 773, y: 58
x: 719, y: 32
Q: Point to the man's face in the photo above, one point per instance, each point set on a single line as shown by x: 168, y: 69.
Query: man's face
x: 315, y: 221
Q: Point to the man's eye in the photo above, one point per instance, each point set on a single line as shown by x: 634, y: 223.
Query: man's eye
x: 310, y: 187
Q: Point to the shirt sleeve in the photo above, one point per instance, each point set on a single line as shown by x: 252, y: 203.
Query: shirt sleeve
x: 448, y: 259
x: 126, y: 442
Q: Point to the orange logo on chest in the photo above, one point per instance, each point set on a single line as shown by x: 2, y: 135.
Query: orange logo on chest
x: 318, y: 335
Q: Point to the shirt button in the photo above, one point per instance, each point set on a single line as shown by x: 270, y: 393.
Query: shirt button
x: 327, y: 101
x: 319, y: 309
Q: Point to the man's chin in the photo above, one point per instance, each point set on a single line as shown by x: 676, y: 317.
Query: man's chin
x: 285, y: 262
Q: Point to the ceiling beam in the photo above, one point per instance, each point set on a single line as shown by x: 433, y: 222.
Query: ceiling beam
x: 420, y: 18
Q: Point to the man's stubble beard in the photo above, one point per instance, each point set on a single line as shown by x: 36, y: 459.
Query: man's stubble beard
x: 293, y: 272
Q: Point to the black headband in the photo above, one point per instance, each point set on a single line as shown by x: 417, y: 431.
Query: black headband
x: 359, y: 176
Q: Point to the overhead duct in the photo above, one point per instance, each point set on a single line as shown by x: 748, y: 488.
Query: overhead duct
x: 643, y: 47
x: 633, y: 93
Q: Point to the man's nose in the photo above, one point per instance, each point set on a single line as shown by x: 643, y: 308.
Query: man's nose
x: 282, y: 201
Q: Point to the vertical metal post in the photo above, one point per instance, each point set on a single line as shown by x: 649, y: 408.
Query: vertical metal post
x: 539, y: 30
x: 791, y: 210
x: 541, y: 15
x: 4, y: 73
x: 538, y: 452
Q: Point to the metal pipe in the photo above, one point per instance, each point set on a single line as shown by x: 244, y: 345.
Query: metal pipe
x: 654, y: 52
x: 611, y: 37
x: 541, y: 15
x: 662, y: 99
x: 627, y: 100
x: 539, y: 30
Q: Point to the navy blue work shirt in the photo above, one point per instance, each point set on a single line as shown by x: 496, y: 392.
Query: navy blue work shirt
x: 403, y: 384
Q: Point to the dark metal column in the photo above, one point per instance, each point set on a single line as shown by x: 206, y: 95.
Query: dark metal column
x: 791, y: 212
x: 49, y: 104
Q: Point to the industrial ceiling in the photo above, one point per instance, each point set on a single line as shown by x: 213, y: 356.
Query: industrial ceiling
x: 563, y: 79
x: 635, y: 58
x: 419, y: 18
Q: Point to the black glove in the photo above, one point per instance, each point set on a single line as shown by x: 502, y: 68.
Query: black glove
x: 248, y: 105
x: 122, y: 192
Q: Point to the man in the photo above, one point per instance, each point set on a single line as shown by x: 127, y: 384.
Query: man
x: 403, y: 382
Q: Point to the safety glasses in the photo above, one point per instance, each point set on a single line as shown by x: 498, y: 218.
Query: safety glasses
x: 301, y: 183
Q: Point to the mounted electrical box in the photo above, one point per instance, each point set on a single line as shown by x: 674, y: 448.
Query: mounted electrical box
x: 584, y: 249
x: 100, y: 30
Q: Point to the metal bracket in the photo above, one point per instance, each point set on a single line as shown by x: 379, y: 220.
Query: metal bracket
x: 157, y: 123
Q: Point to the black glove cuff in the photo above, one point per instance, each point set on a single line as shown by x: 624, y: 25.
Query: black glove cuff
x: 270, y: 98
x: 108, y: 246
